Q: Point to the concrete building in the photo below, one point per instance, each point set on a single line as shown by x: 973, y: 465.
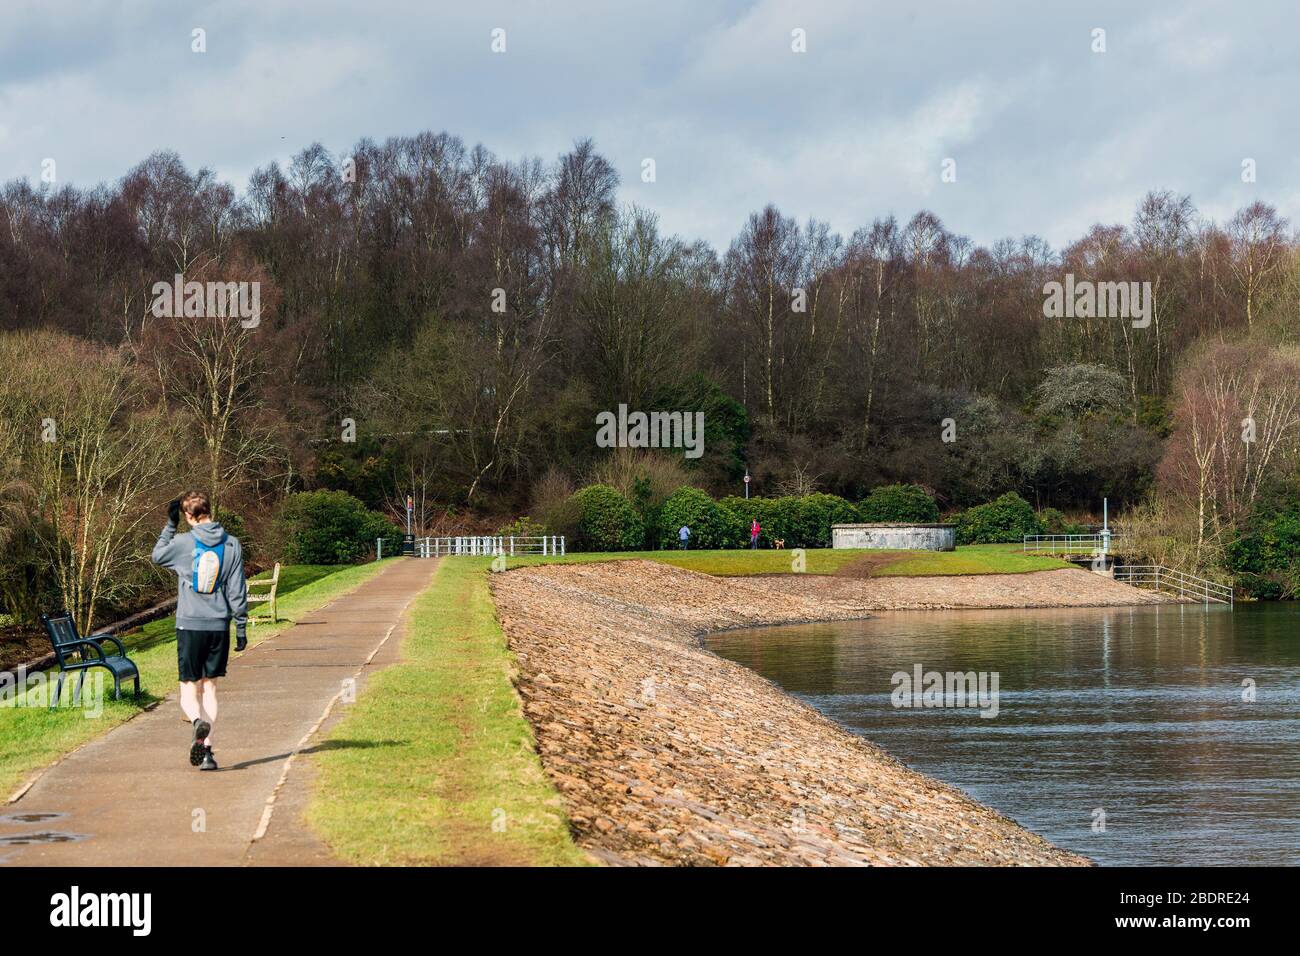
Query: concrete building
x: 891, y: 536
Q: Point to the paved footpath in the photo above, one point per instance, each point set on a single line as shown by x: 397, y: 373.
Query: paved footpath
x: 131, y: 797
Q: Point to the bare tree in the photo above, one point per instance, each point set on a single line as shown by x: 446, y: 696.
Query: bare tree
x: 1259, y: 248
x: 98, y: 459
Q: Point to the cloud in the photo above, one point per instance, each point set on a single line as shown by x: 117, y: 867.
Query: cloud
x: 1048, y: 136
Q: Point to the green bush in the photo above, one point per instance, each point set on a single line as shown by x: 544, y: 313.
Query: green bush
x: 606, y: 521
x: 1007, y: 518
x: 799, y: 522
x: 816, y: 514
x: 1055, y: 522
x: 1265, y: 559
x: 738, y: 512
x: 711, y: 526
x: 899, y: 503
x: 331, y: 527
x: 778, y: 519
x: 523, y: 527
x: 1264, y: 587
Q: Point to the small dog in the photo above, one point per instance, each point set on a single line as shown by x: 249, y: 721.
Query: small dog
x: 778, y: 543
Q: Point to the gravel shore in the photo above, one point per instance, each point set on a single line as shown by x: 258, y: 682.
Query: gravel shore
x: 664, y: 753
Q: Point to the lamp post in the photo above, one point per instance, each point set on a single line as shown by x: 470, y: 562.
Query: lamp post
x: 408, y: 539
x: 1105, y: 524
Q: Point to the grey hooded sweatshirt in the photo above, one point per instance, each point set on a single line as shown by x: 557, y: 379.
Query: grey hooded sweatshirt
x: 204, y: 612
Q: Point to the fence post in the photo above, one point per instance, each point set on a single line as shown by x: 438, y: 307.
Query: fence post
x: 561, y: 544
x: 379, y: 549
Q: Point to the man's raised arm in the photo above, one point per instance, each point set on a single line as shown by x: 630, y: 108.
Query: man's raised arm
x: 161, y: 550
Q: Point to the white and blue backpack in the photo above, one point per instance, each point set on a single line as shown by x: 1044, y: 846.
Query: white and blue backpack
x: 208, y: 559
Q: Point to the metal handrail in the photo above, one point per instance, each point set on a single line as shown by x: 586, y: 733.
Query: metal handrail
x: 1070, y: 543
x: 1158, y: 577
x: 490, y: 545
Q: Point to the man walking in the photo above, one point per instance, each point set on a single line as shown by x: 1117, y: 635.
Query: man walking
x: 209, y: 565
x: 684, y: 536
x: 754, y: 530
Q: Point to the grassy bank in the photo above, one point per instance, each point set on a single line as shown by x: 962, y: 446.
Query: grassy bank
x: 31, y: 736
x: 439, y: 767
x: 968, y: 559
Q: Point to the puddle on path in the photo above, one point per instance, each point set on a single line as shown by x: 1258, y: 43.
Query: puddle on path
x: 33, y: 817
x: 42, y: 836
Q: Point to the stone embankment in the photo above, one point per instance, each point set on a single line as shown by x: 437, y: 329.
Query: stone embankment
x: 1063, y: 587
x: 665, y: 753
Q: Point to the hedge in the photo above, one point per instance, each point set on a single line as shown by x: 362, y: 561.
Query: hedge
x: 331, y: 527
x: 816, y: 515
x: 899, y: 503
x: 711, y: 526
x: 1005, y: 519
x: 801, y: 522
x: 606, y: 521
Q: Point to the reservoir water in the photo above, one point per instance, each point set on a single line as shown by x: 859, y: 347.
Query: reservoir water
x: 1153, y: 735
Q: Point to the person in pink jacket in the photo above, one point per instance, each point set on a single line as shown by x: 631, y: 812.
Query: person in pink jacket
x: 754, y: 530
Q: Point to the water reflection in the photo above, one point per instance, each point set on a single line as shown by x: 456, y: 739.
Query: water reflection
x: 1137, y: 712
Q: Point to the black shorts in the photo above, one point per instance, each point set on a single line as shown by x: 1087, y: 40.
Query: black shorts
x: 202, y: 654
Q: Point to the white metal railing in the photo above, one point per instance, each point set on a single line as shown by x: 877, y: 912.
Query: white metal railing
x: 1071, y: 543
x: 1159, y: 578
x: 490, y: 545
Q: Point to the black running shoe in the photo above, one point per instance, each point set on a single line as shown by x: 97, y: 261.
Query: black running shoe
x: 209, y: 763
x: 201, y: 730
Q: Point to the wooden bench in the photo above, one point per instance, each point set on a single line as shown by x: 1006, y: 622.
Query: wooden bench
x: 260, y: 596
x: 74, y: 654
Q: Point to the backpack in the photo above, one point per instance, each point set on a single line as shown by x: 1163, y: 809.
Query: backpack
x: 208, y: 560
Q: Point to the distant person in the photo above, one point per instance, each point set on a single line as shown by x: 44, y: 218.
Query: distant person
x: 755, y: 529
x: 684, y: 536
x: 211, y: 591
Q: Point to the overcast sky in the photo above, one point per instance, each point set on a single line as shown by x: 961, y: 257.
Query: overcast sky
x: 1048, y: 136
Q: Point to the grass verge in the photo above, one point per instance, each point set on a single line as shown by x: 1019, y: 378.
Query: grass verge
x: 440, y: 767
x: 968, y: 559
x: 32, y: 736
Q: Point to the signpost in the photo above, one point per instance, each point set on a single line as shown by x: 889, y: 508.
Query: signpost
x: 408, y: 539
x: 746, y: 482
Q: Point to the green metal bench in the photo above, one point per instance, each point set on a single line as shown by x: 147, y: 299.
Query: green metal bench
x: 74, y: 655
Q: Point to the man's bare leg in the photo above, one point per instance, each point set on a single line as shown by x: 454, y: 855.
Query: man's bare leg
x: 190, y: 700
x: 209, y: 705
x: 193, y: 709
